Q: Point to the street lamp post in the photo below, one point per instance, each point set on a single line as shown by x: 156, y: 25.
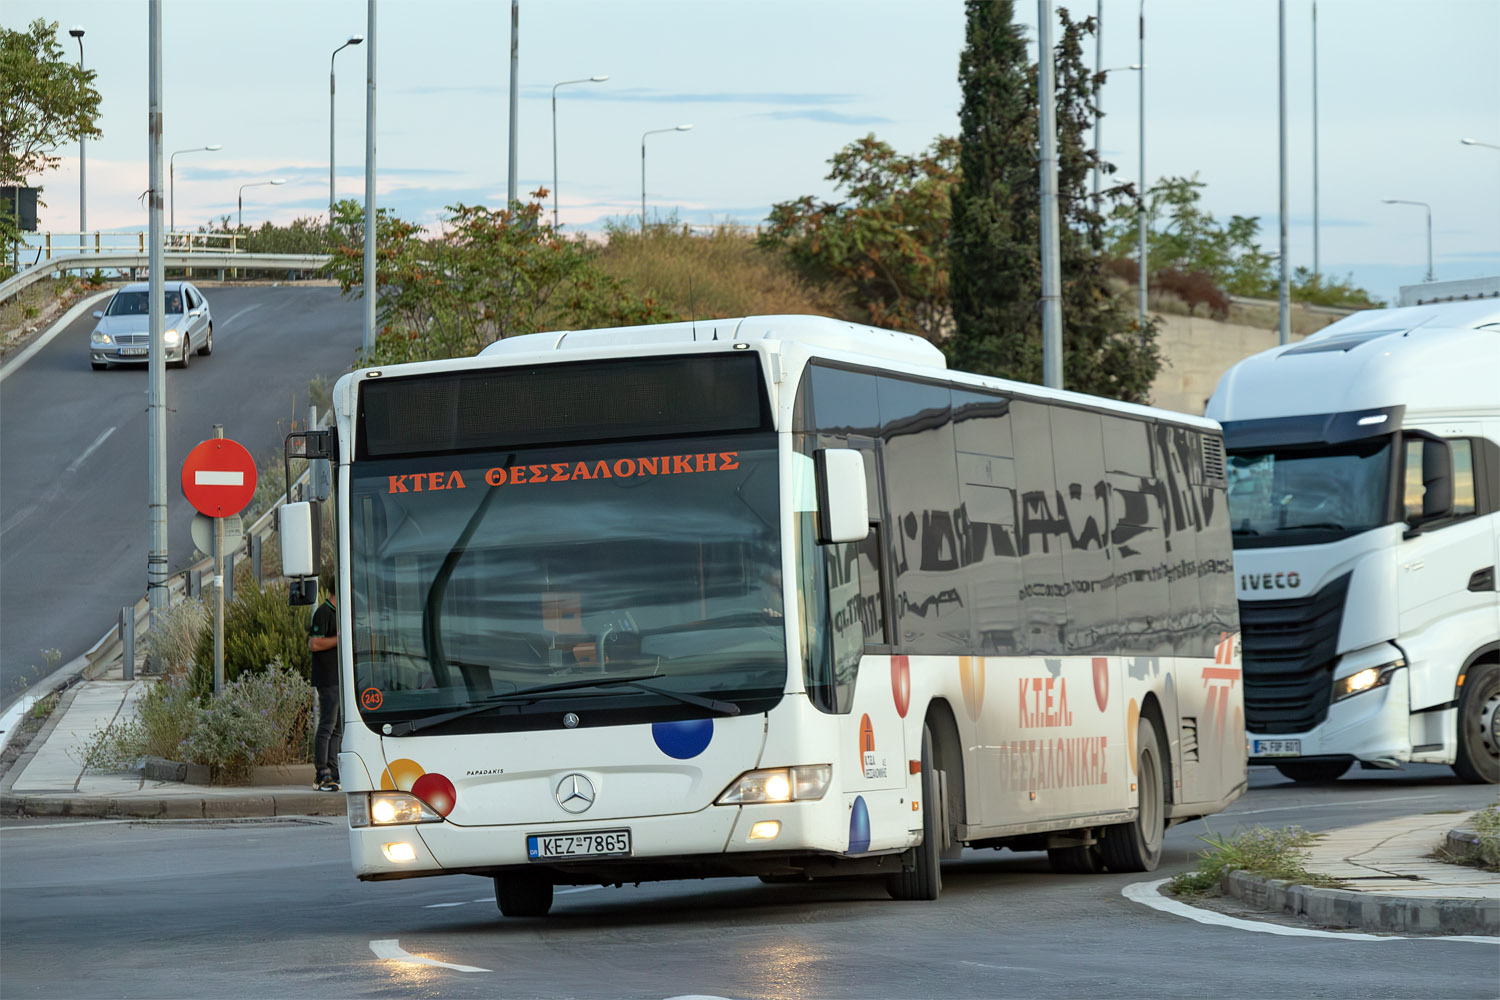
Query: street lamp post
x: 1141, y: 210
x: 590, y: 79
x: 172, y: 177
x: 1423, y: 204
x: 677, y: 128
x: 1098, y: 147
x: 353, y: 40
x: 279, y: 180
x: 83, y: 214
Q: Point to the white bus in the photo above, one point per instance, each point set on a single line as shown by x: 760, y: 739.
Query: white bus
x: 776, y: 596
x: 1365, y: 494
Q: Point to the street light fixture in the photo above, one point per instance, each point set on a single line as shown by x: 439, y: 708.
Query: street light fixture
x: 1476, y: 142
x: 1423, y: 204
x: 591, y: 79
x: 353, y: 40
x: 172, y: 176
x: 678, y: 128
x: 83, y: 214
x: 279, y: 180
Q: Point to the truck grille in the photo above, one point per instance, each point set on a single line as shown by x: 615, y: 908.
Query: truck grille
x: 1288, y: 653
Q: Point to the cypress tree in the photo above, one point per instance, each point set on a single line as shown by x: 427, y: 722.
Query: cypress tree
x: 994, y: 257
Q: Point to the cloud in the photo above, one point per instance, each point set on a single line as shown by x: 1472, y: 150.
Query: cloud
x: 641, y: 95
x: 826, y: 117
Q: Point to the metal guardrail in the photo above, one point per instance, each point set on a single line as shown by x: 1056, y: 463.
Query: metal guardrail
x: 203, y: 258
x: 53, y: 243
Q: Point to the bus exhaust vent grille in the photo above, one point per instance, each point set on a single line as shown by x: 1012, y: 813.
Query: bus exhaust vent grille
x: 1213, y: 460
x: 1189, y: 738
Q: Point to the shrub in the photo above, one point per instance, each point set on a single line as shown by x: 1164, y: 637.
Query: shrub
x: 172, y: 642
x: 1195, y: 288
x: 1261, y: 851
x: 259, y: 628
x: 262, y: 718
x: 165, y: 715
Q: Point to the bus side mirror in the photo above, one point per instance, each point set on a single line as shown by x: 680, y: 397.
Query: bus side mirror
x: 843, y: 505
x: 296, y: 530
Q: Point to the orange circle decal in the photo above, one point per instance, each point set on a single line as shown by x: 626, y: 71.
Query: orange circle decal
x: 371, y: 699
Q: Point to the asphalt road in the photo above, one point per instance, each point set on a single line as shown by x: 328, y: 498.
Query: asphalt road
x: 74, y: 533
x: 270, y: 908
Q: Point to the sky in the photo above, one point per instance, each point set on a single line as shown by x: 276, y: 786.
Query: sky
x: 773, y: 90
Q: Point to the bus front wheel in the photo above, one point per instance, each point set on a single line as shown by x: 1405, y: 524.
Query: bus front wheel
x: 1478, y: 760
x: 1136, y: 846
x: 524, y: 894
x: 925, y: 879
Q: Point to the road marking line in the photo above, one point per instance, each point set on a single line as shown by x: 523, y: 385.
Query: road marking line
x: 1329, y: 805
x: 237, y: 315
x: 90, y: 450
x: 579, y: 888
x: 439, y: 906
x: 1001, y: 968
x: 19, y: 828
x: 1147, y: 894
x: 390, y: 949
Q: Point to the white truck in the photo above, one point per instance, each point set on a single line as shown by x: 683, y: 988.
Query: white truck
x: 1364, y: 495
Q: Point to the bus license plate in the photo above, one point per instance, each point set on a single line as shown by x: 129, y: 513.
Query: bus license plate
x: 1277, y: 748
x: 584, y: 844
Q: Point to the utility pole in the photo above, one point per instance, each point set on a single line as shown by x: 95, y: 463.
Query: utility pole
x: 515, y: 61
x: 1283, y: 298
x: 1141, y: 210
x: 156, y: 559
x: 370, y: 294
x: 1051, y: 279
x: 1317, y: 272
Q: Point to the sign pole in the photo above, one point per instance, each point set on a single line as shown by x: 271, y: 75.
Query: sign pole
x: 218, y: 593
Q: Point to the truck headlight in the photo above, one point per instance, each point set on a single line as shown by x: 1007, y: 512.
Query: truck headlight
x: 100, y: 337
x: 389, y: 809
x: 779, y: 784
x: 1365, y: 680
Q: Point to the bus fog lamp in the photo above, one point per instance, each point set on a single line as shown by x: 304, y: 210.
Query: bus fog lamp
x: 399, y: 852
x: 766, y: 829
x: 781, y: 784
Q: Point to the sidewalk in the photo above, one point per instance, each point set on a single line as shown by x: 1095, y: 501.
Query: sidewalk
x: 1393, y: 887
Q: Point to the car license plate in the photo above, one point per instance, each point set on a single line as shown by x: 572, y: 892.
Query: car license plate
x: 1277, y: 748
x: 133, y: 351
x: 583, y: 844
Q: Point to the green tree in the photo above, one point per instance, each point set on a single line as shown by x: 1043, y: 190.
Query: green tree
x: 887, y: 239
x: 45, y: 101
x: 996, y: 230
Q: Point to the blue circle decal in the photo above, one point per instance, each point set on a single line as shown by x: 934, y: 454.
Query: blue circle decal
x: 683, y: 740
x: 859, y: 827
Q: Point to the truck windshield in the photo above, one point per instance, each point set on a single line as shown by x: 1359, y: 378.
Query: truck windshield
x: 1305, y: 496
x: 535, y: 573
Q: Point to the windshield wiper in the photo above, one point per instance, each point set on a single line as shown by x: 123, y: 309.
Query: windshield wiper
x: 1244, y: 531
x: 1314, y: 526
x: 535, y: 693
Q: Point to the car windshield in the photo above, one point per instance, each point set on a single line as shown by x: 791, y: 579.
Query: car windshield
x: 139, y: 304
x: 1301, y: 496
x: 478, y: 576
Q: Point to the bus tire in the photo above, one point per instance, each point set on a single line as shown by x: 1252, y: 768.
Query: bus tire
x: 1136, y: 846
x: 525, y: 894
x: 925, y: 879
x: 1082, y: 859
x: 1478, y: 760
x: 1313, y: 772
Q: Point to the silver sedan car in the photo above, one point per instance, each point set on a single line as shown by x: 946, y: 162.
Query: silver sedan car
x: 123, y: 333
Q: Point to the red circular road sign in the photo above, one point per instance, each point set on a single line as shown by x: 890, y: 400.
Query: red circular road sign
x: 218, y: 477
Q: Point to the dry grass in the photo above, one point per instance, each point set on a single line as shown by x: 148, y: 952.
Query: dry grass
x: 715, y: 275
x: 1260, y: 315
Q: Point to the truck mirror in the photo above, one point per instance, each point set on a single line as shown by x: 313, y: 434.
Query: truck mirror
x: 843, y: 504
x: 1437, y: 479
x: 296, y: 530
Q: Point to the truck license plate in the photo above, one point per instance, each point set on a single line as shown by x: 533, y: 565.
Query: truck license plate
x: 583, y: 844
x: 1277, y: 748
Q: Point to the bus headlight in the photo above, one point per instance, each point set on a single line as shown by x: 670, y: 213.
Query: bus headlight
x: 389, y: 809
x: 779, y: 784
x: 1365, y: 680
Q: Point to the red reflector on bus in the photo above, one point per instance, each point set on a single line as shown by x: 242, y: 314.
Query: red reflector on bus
x: 915, y: 766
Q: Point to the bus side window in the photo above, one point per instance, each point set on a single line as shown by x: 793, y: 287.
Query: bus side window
x: 871, y: 593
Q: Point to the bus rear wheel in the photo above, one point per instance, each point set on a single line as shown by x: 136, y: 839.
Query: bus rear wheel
x: 1478, y: 760
x: 1313, y: 771
x: 1136, y: 846
x: 525, y: 894
x: 925, y: 879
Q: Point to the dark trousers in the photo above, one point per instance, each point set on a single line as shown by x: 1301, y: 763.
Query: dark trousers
x: 330, y: 731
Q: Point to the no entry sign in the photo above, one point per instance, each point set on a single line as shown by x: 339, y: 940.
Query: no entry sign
x: 218, y: 477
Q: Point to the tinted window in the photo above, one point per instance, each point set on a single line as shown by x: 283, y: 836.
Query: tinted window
x: 1044, y: 608
x: 1137, y: 537
x: 987, y: 522
x: 1082, y: 509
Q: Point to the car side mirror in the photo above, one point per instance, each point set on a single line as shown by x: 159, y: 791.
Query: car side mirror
x: 843, y: 504
x: 98, y: 314
x: 196, y: 312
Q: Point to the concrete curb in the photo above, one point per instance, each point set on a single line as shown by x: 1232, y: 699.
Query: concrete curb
x: 1371, y: 912
x: 237, y: 806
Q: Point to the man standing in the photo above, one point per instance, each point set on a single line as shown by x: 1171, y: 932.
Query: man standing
x: 323, y: 640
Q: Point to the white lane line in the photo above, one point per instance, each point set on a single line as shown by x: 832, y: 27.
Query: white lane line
x: 390, y: 949
x: 439, y: 906
x: 579, y: 888
x: 1001, y: 968
x: 1332, y: 804
x: 235, y: 316
x: 24, y: 828
x: 90, y: 450
x: 1147, y: 893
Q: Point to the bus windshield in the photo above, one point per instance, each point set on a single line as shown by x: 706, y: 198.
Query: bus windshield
x: 515, y: 579
x: 1304, y: 496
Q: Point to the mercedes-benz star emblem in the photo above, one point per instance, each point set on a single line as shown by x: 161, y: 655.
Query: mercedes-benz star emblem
x: 575, y: 793
x: 571, y: 720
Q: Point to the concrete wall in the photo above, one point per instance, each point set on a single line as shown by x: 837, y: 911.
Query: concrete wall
x: 1195, y: 352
